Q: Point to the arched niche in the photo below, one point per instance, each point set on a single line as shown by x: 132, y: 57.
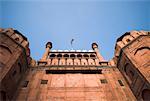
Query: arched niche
x: 129, y: 72
x: 142, y: 49
x: 72, y: 55
x: 52, y: 55
x: 66, y: 55
x: 59, y: 55
x: 18, y: 38
x: 127, y: 39
x: 146, y: 94
x: 142, y: 55
x: 3, y: 96
x: 92, y: 56
x: 86, y: 56
x: 5, y: 54
x: 79, y: 55
x: 120, y: 38
x: 20, y: 67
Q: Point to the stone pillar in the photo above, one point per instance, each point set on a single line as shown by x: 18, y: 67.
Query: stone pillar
x: 48, y: 47
x: 95, y: 48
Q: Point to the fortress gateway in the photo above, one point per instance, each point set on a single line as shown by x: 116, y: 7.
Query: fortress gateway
x: 75, y: 75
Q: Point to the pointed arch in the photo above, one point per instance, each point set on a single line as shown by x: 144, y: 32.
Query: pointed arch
x: 141, y: 49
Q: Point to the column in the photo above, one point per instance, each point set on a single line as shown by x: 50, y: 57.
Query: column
x: 47, y: 50
x: 95, y: 48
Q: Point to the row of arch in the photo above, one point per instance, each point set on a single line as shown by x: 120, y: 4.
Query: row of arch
x: 72, y: 56
x: 76, y: 61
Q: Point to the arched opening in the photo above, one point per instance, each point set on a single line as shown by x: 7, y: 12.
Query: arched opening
x: 79, y: 55
x: 52, y: 55
x: 3, y: 96
x: 128, y: 40
x: 66, y: 55
x: 129, y: 72
x: 92, y: 56
x: 72, y: 55
x: 148, y: 48
x: 125, y: 67
x: 1, y: 64
x: 59, y: 55
x: 5, y: 54
x: 20, y: 67
x: 146, y: 94
x: 4, y: 47
x: 142, y: 55
x: 86, y: 55
x: 17, y: 39
x: 120, y: 39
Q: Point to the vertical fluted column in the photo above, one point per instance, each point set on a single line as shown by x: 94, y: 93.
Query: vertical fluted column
x: 47, y: 50
x: 95, y: 48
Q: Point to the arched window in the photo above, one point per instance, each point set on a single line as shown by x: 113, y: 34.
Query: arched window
x: 142, y: 48
x: 17, y: 39
x: 129, y: 72
x: 66, y: 55
x: 126, y: 67
x: 1, y: 64
x: 79, y: 55
x: 52, y: 55
x: 139, y: 49
x: 5, y: 54
x: 3, y: 96
x: 92, y: 56
x: 120, y: 39
x: 59, y: 55
x: 72, y: 56
x: 128, y: 40
x: 86, y: 55
x: 5, y: 47
x: 20, y: 67
x: 146, y: 94
x: 143, y: 55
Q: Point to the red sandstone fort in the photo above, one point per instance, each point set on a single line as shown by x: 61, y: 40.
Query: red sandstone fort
x: 75, y: 75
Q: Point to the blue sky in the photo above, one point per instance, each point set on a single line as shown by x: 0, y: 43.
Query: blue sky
x: 86, y: 21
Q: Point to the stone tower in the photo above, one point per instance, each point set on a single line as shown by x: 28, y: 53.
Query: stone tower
x: 133, y: 60
x: 14, y: 60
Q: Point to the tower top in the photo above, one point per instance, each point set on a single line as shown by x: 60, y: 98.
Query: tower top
x: 49, y: 44
x: 94, y: 45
